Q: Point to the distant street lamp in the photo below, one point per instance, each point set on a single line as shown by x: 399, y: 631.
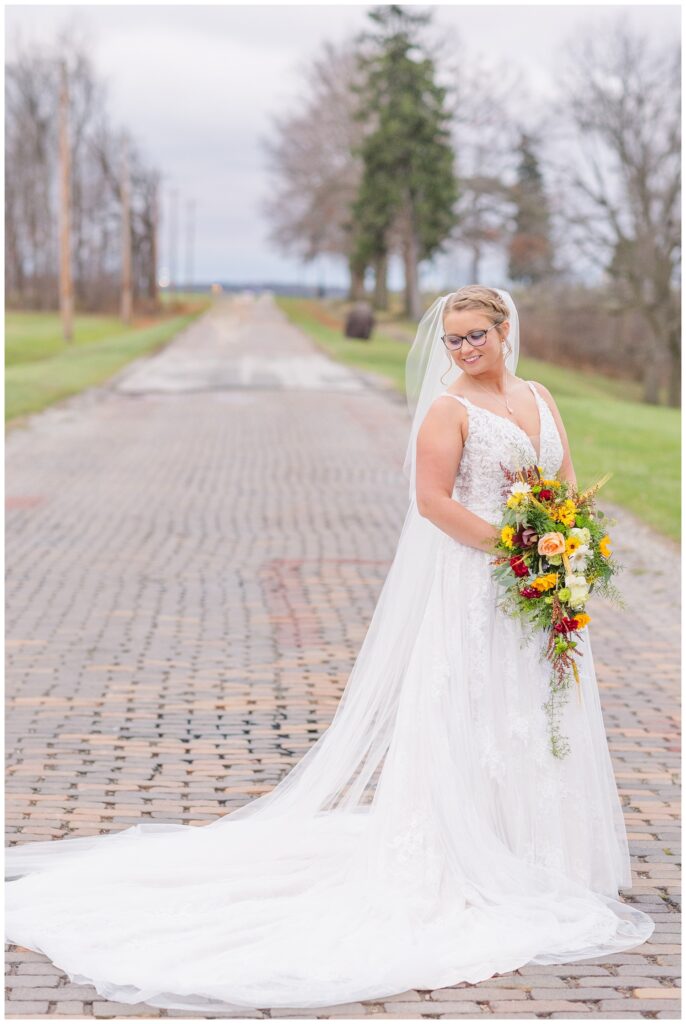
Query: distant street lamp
x: 173, y: 241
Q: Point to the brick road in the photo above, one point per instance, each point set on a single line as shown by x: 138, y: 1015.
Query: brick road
x: 194, y: 552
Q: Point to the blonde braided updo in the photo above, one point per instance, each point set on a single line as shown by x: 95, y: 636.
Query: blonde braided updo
x: 485, y: 300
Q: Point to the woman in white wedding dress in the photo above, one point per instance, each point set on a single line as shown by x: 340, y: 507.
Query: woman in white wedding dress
x: 430, y: 836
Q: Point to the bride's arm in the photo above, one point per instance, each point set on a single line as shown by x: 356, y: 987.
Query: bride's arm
x: 439, y: 451
x: 566, y: 471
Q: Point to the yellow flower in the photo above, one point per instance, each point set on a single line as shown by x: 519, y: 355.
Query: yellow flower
x: 551, y: 483
x: 572, y: 544
x: 565, y: 513
x: 543, y: 583
x: 506, y: 535
x: 582, y: 619
x: 604, y: 546
x: 515, y: 499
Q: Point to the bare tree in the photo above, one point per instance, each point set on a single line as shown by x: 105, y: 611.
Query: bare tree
x: 33, y: 195
x: 621, y: 188
x: 86, y: 103
x: 126, y: 286
x: 146, y: 185
x: 486, y: 127
x: 66, y: 282
x: 313, y: 165
x: 31, y: 147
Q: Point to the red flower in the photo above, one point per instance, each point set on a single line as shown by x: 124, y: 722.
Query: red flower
x: 545, y: 494
x: 566, y: 625
x: 519, y: 566
x: 530, y: 592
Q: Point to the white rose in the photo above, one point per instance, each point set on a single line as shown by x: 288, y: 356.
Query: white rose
x: 582, y: 532
x: 578, y: 588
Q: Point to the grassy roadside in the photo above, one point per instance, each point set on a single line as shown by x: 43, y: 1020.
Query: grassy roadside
x: 383, y: 354
x: 41, y: 368
x: 609, y: 429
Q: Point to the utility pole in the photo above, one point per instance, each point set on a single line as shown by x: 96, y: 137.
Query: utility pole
x: 66, y: 280
x: 190, y: 241
x: 126, y: 282
x: 153, y: 294
x: 173, y: 241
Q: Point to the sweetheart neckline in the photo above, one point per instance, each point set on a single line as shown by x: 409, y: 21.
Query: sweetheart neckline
x: 511, y: 422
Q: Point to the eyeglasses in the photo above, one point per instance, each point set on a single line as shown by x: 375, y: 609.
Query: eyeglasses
x: 476, y: 338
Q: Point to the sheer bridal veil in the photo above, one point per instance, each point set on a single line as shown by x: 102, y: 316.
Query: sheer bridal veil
x: 340, y: 770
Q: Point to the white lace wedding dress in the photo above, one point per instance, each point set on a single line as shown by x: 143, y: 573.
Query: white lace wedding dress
x: 427, y: 838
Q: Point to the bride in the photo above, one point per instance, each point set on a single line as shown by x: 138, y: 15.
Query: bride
x: 430, y: 836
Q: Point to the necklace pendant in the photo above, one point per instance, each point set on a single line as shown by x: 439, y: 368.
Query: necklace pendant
x: 509, y: 407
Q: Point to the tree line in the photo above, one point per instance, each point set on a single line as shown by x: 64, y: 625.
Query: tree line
x: 81, y: 201
x: 403, y: 147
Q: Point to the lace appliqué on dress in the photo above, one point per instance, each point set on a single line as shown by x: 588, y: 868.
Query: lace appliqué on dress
x: 519, y: 728
x: 414, y: 857
x: 440, y: 676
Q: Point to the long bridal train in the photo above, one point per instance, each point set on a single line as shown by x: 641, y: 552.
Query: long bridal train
x: 471, y: 852
x: 428, y: 837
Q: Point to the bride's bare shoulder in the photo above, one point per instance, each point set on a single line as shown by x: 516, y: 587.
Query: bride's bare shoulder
x: 444, y: 418
x: 444, y: 405
x: 516, y: 382
x: 544, y: 393
x: 542, y: 389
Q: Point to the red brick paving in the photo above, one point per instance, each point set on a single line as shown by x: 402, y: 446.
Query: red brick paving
x: 186, y: 597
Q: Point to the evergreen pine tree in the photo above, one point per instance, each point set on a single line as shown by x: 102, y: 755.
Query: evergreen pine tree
x: 408, y: 189
x: 530, y: 248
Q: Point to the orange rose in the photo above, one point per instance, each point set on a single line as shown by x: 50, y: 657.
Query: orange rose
x: 551, y: 544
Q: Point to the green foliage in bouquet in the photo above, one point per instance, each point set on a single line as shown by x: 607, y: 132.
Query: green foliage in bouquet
x: 552, y: 553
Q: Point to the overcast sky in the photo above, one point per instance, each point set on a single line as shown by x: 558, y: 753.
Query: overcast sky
x: 197, y: 85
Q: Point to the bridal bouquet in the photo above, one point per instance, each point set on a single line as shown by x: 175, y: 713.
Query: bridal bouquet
x: 552, y: 553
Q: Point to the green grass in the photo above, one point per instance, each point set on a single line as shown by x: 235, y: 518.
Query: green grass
x: 182, y: 298
x: 609, y: 428
x: 42, y: 368
x: 30, y: 337
x: 638, y: 443
x: 383, y: 354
